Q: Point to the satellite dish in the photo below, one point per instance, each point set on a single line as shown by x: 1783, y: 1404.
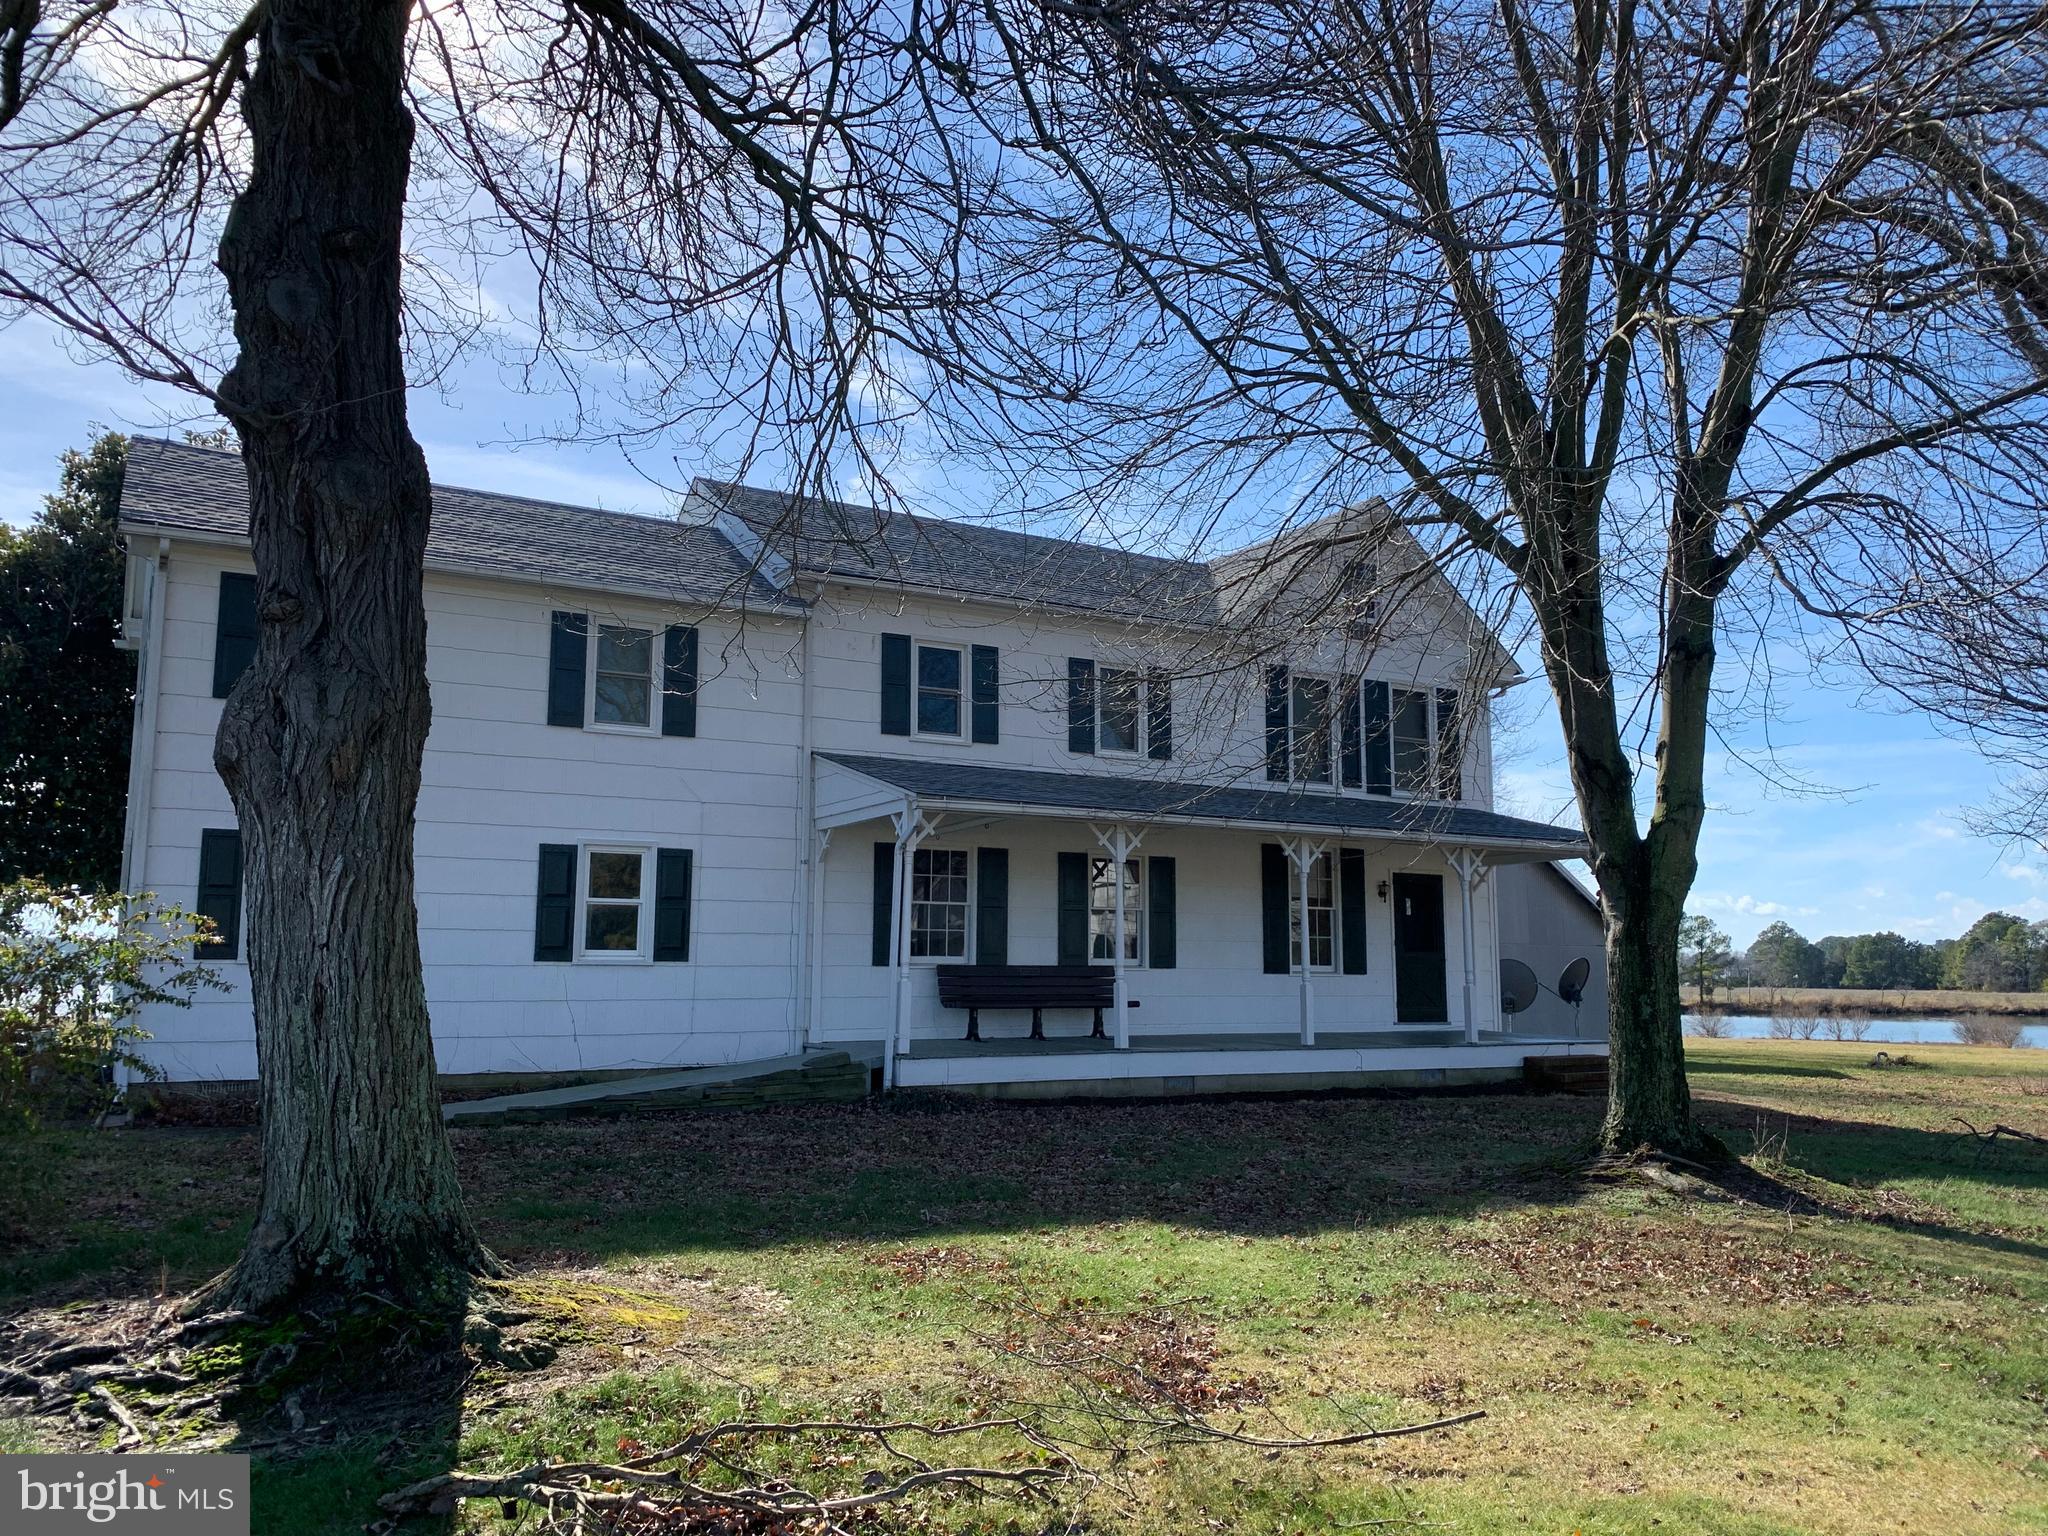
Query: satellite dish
x: 1518, y: 986
x: 1571, y: 986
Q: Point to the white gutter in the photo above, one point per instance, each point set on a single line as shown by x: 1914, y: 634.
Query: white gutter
x: 566, y: 585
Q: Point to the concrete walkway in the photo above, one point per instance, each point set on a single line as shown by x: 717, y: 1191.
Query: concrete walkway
x: 642, y: 1085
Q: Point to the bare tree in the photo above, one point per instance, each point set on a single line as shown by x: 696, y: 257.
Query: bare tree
x: 701, y: 196
x: 1681, y: 325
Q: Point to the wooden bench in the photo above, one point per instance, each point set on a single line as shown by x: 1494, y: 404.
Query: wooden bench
x: 1037, y: 987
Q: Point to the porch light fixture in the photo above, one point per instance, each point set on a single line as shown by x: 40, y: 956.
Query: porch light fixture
x: 1383, y: 890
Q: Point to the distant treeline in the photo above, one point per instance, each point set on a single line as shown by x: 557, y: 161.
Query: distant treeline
x: 1999, y: 953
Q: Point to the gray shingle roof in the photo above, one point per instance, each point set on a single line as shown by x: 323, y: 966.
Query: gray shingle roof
x: 177, y: 487
x: 838, y: 538
x: 1107, y: 794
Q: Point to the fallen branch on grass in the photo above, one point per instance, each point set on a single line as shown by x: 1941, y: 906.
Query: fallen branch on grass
x: 1990, y: 1138
x: 575, y: 1495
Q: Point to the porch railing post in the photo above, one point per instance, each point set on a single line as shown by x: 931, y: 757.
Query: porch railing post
x: 1303, y: 853
x: 912, y: 828
x: 1468, y: 864
x: 1119, y: 844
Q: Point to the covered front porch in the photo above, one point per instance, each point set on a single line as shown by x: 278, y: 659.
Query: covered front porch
x: 1278, y: 937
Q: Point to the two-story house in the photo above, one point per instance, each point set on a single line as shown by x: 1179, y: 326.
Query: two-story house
x: 782, y: 775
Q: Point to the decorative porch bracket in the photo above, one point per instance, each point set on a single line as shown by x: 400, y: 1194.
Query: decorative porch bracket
x: 1119, y: 842
x: 912, y: 828
x: 1469, y: 865
x: 1302, y: 853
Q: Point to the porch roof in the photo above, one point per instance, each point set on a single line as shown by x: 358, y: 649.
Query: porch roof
x: 941, y: 785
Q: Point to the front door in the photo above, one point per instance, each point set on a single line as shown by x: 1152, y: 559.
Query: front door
x: 1420, y: 993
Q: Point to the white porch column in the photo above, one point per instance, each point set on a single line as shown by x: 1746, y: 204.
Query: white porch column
x: 1120, y: 843
x: 1303, y: 853
x: 816, y: 935
x: 912, y: 828
x: 1469, y: 865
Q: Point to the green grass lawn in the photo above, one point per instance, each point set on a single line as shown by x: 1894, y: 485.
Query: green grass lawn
x: 1876, y: 1360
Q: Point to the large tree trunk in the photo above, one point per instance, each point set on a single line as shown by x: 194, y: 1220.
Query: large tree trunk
x: 1648, y: 1103
x: 321, y: 740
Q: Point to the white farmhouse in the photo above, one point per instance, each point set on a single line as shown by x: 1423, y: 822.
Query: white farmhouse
x: 781, y: 777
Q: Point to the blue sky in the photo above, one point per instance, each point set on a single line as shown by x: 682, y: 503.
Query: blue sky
x: 1857, y: 826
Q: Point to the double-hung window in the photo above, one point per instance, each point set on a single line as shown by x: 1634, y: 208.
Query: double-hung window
x: 1102, y: 911
x: 615, y: 925
x: 622, y: 681
x: 1322, y: 916
x: 1122, y: 693
x: 938, y: 904
x: 1309, y: 726
x: 1409, y: 732
x: 938, y: 690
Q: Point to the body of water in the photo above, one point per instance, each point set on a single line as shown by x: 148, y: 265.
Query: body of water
x: 1882, y: 1031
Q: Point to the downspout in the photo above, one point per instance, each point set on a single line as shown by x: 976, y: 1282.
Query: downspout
x: 804, y: 1020
x: 142, y: 746
x: 142, y: 753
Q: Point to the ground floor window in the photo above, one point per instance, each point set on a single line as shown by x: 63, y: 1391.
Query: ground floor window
x: 938, y: 904
x: 614, y: 894
x: 1322, y: 916
x: 1102, y: 911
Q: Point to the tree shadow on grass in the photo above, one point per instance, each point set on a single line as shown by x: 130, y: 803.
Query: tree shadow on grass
x: 1696, y: 1068
x: 1834, y: 1159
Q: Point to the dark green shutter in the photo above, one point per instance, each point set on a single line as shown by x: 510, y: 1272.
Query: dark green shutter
x: 568, y: 638
x: 234, y: 632
x: 1379, y: 746
x: 679, y: 681
x: 1080, y: 705
x: 985, y: 711
x: 1073, y: 904
x: 672, y: 903
x: 991, y: 906
x: 220, y: 892
x: 1351, y: 742
x: 895, y: 686
x: 1351, y: 908
x: 1450, y: 746
x: 1276, y: 724
x: 884, y: 900
x: 1159, y: 717
x: 554, y: 908
x: 1165, y: 917
x: 1273, y: 908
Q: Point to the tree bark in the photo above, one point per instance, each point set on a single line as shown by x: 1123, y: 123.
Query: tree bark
x: 321, y: 740
x: 1649, y: 1103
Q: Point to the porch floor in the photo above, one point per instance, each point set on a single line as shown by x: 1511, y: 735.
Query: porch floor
x: 1326, y: 1039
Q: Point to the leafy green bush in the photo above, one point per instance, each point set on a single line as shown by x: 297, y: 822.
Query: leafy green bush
x: 73, y: 967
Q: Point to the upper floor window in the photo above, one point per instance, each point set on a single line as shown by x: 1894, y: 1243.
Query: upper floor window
x: 1119, y: 710
x: 1408, y: 728
x: 614, y: 675
x: 938, y: 904
x: 938, y: 690
x: 1102, y: 911
x: 622, y: 684
x: 1120, y: 723
x: 1309, y: 716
